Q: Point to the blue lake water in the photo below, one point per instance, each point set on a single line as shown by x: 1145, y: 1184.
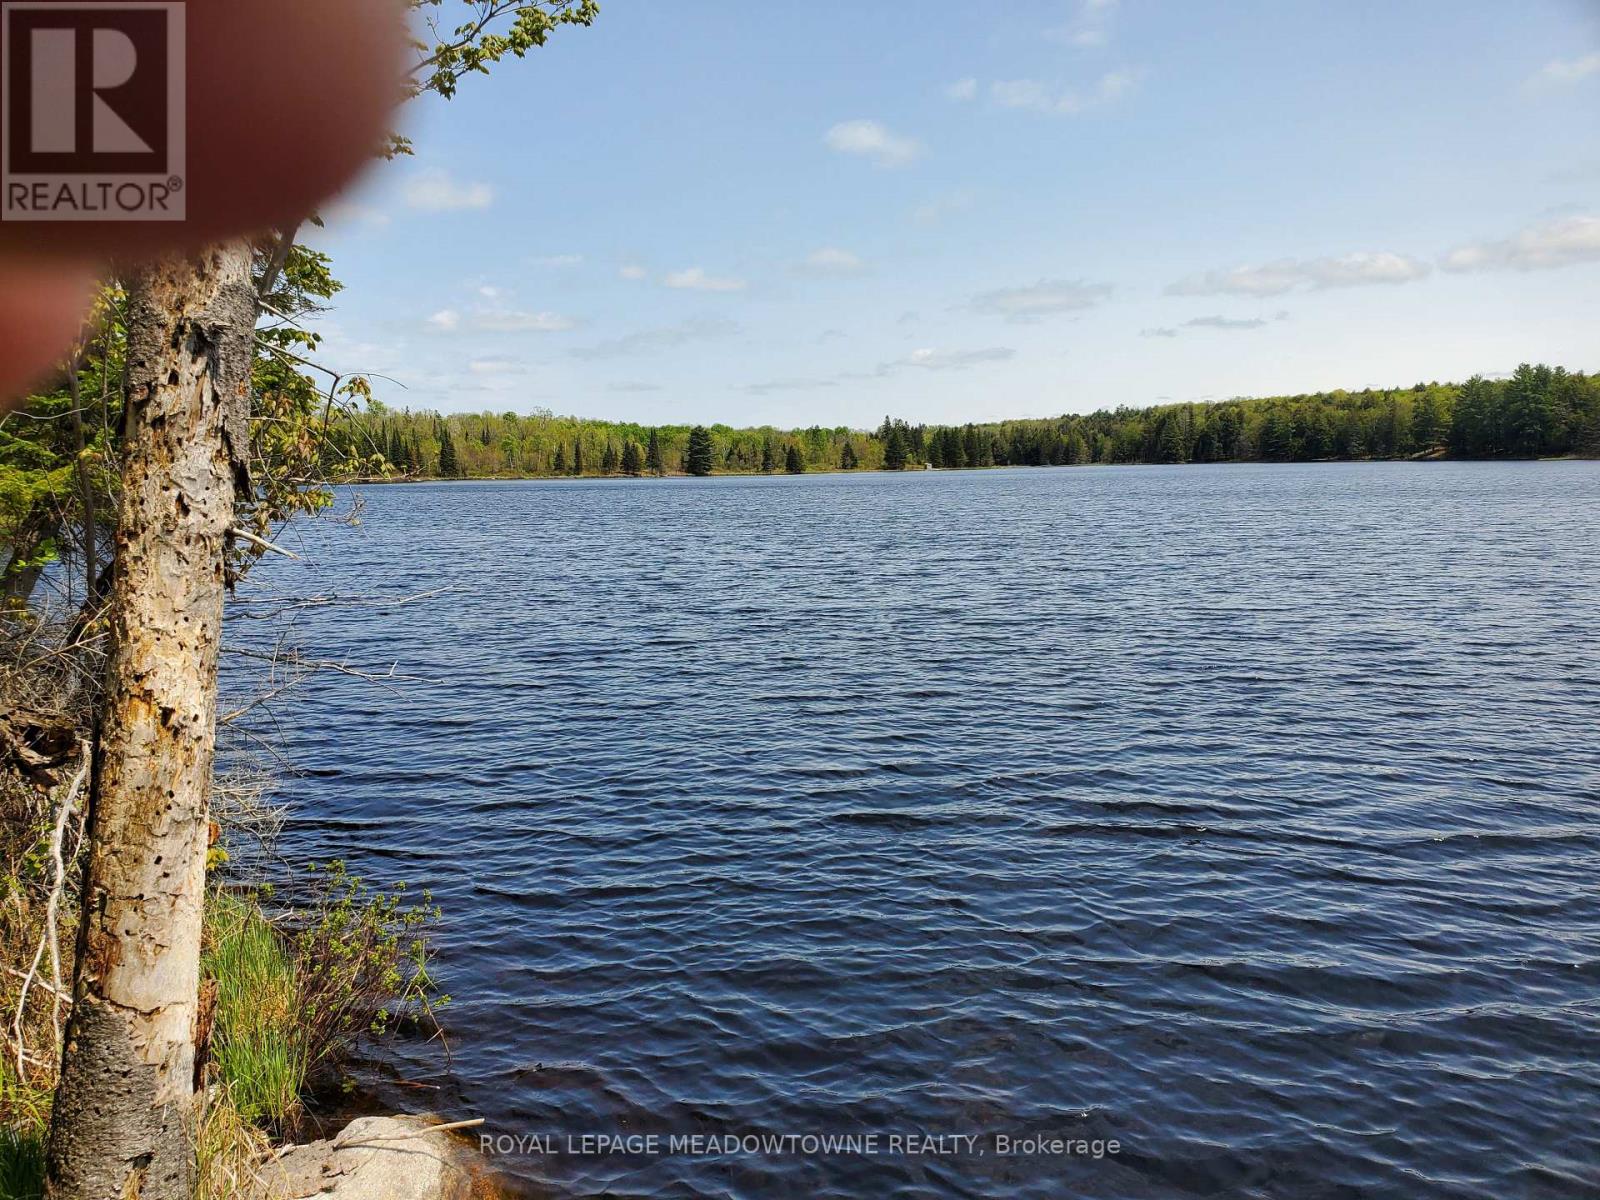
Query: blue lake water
x: 1247, y: 816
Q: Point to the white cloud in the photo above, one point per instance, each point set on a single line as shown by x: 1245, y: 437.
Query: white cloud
x: 695, y: 279
x: 490, y: 292
x: 556, y: 260
x: 1287, y: 274
x: 1569, y: 70
x: 1561, y: 242
x: 497, y: 364
x: 937, y: 209
x: 632, y: 271
x: 1034, y: 96
x: 1042, y: 299
x: 499, y: 320
x: 1090, y: 28
x: 871, y: 139
x: 832, y: 260
x: 1226, y: 322
x: 665, y: 338
x: 769, y: 386
x: 506, y: 321
x: 1232, y: 324
x: 928, y: 359
x: 963, y: 89
x: 435, y: 191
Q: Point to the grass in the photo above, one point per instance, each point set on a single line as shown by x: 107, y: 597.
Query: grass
x: 21, y: 1164
x: 258, y: 1043
x: 231, y: 1152
x: 24, y: 1123
x: 295, y: 992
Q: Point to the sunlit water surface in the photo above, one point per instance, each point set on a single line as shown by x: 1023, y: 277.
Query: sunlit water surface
x: 1244, y: 815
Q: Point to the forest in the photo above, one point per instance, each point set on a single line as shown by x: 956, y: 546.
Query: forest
x: 1539, y: 411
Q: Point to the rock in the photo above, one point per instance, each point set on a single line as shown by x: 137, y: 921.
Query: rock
x: 380, y: 1158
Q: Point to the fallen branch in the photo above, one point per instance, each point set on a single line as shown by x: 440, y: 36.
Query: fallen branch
x: 290, y: 658
x: 256, y: 540
x: 291, y: 603
x: 51, y: 938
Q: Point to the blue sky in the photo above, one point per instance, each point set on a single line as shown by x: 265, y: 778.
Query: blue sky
x: 819, y: 213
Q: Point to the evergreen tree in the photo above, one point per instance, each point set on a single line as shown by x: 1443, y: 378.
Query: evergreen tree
x: 608, y: 460
x: 652, y: 454
x: 698, y: 459
x: 1475, y: 425
x: 449, y: 468
x: 792, y: 462
x: 1277, y: 436
x: 847, y: 457
x: 767, y: 463
x: 1527, y: 411
x: 577, y: 457
x: 973, y: 447
x: 1170, y: 447
x: 560, y: 465
x: 894, y: 448
x: 632, y: 460
x: 1426, y: 425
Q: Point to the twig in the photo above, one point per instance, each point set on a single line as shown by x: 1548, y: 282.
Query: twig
x: 255, y: 539
x: 292, y: 658
x: 294, y: 602
x: 38, y: 983
x: 52, y: 908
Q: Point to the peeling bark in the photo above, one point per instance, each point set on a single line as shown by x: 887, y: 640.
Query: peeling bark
x: 121, y: 1129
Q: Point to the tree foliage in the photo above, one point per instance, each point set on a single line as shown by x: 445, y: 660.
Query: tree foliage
x: 1538, y: 411
x: 698, y: 456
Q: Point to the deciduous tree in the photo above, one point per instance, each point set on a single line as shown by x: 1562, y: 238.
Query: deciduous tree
x: 121, y: 1123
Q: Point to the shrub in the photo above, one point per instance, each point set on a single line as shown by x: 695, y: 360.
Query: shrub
x: 295, y: 993
x: 364, y: 962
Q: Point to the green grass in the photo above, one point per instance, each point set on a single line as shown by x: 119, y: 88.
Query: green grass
x: 24, y: 1125
x: 257, y: 1043
x: 21, y: 1163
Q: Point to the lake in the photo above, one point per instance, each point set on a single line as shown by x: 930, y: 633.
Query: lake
x: 1245, y: 816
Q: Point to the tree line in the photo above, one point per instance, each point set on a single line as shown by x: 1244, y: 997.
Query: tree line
x: 1538, y: 411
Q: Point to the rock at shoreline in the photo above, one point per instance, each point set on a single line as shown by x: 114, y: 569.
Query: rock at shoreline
x: 380, y: 1158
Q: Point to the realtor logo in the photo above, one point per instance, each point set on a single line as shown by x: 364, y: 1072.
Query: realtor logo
x: 92, y: 115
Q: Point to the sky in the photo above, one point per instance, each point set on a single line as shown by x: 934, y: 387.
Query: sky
x: 823, y: 213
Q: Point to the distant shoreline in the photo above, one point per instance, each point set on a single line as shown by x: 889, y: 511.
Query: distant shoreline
x: 376, y: 480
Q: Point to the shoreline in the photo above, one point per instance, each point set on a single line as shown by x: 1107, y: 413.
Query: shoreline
x: 377, y: 480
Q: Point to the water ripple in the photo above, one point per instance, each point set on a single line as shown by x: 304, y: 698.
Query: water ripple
x: 1245, y: 815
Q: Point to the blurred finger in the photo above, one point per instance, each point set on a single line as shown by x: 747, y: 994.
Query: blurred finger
x: 287, y: 101
x: 41, y: 309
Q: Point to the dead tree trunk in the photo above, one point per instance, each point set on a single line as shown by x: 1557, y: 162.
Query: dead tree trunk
x: 121, y: 1129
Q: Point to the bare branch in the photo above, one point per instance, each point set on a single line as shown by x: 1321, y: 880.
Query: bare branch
x: 256, y: 540
x: 51, y: 938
